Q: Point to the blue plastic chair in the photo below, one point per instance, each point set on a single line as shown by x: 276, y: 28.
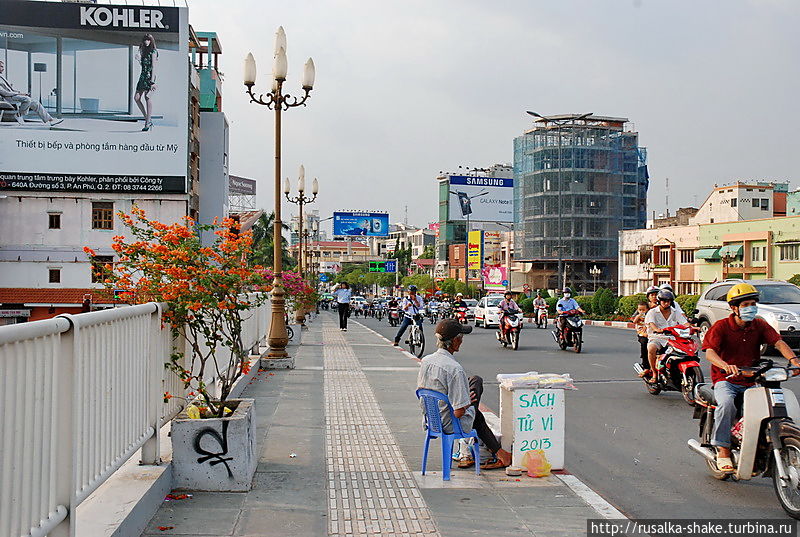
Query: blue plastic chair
x: 434, y: 429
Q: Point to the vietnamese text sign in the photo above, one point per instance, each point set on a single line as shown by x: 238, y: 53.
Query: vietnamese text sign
x: 536, y: 421
x: 93, y: 66
x: 240, y: 185
x: 474, y: 250
x: 361, y: 224
x: 484, y: 199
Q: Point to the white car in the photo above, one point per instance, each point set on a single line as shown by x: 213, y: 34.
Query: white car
x: 487, y: 313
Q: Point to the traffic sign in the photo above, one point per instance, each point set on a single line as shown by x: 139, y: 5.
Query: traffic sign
x: 323, y: 277
x: 505, y: 283
x: 383, y: 266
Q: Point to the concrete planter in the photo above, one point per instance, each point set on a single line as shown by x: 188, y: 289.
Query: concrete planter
x: 215, y: 454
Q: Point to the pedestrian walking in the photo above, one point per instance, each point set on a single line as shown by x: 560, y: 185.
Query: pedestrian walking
x: 343, y: 295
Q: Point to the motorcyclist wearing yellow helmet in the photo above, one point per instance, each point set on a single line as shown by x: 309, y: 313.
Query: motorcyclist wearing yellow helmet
x: 732, y: 343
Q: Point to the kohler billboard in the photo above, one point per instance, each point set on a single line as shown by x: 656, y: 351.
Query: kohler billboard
x: 93, y: 98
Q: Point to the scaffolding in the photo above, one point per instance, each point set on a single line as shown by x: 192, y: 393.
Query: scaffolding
x: 603, y: 190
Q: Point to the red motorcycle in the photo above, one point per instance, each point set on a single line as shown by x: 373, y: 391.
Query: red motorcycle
x: 677, y: 367
x: 508, y: 330
x: 461, y: 314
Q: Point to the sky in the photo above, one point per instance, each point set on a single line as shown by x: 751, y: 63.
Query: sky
x: 407, y: 89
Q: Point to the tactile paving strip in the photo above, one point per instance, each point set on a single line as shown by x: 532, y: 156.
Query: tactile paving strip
x: 370, y: 488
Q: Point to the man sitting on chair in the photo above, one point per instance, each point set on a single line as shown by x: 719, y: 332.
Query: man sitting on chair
x: 23, y: 101
x: 441, y: 372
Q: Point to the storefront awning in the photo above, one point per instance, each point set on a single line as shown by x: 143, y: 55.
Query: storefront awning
x: 731, y: 250
x: 707, y: 253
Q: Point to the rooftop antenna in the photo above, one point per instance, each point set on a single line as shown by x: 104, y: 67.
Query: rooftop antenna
x: 405, y: 218
x: 666, y: 201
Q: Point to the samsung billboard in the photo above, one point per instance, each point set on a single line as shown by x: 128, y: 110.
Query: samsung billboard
x: 93, y: 98
x: 360, y: 224
x: 481, y: 199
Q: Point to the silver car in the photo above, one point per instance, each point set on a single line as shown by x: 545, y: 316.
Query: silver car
x: 779, y: 305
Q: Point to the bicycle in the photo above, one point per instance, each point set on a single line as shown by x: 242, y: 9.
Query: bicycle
x: 416, y: 337
x: 289, y: 331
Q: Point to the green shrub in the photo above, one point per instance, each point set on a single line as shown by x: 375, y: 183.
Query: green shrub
x: 604, y: 302
x: 586, y: 303
x: 627, y: 304
x: 526, y: 305
x: 794, y: 279
x: 688, y: 303
x: 551, y: 304
x: 546, y: 294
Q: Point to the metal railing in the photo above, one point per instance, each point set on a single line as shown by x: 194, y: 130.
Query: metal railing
x: 81, y: 394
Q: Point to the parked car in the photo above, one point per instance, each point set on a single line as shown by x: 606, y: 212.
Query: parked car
x: 471, y: 305
x: 779, y: 305
x: 486, y: 312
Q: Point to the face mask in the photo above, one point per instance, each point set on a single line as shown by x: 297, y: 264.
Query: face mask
x: 748, y: 313
x: 567, y: 295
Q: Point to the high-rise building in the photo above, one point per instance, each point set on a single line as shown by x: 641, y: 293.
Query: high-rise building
x: 578, y: 181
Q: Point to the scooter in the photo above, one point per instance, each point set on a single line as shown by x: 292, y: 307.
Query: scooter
x: 394, y: 317
x: 572, y: 335
x: 509, y: 328
x: 677, y: 368
x: 445, y: 310
x: 461, y: 314
x: 541, y: 316
x: 433, y: 314
x: 379, y: 313
x: 765, y: 441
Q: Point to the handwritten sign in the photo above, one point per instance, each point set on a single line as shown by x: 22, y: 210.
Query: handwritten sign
x: 533, y: 419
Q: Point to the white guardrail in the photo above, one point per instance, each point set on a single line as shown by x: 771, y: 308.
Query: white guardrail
x: 81, y: 394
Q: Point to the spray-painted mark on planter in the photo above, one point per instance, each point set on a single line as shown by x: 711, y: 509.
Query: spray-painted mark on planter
x: 214, y: 458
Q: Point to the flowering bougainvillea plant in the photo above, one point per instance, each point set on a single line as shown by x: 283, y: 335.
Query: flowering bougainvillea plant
x: 298, y: 291
x: 205, y: 287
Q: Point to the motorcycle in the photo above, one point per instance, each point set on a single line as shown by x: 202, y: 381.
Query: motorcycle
x: 541, y: 316
x: 572, y: 335
x: 445, y: 310
x: 433, y: 314
x: 379, y: 313
x: 461, y: 314
x: 765, y: 441
x: 678, y: 367
x: 394, y: 317
x: 509, y: 328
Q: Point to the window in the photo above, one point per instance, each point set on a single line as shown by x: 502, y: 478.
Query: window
x: 102, y: 215
x: 54, y: 275
x: 733, y: 202
x: 765, y: 204
x: 790, y: 252
x: 663, y: 257
x: 687, y: 256
x: 756, y: 202
x: 99, y: 271
x: 755, y: 253
x: 718, y: 293
x: 631, y: 258
x: 54, y: 221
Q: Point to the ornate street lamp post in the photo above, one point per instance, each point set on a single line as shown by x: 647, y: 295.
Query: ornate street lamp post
x: 300, y: 200
x: 595, y: 272
x: 278, y: 101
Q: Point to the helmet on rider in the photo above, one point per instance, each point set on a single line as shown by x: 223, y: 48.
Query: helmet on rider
x: 664, y: 295
x: 412, y: 288
x: 567, y: 290
x: 667, y: 287
x: 538, y: 293
x: 458, y: 295
x: 652, y: 290
x: 508, y: 294
x: 741, y: 292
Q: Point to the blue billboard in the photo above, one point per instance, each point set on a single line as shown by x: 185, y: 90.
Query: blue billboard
x: 361, y: 224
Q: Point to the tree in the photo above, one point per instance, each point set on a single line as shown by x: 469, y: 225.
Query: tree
x: 423, y: 282
x: 263, y: 245
x: 429, y: 252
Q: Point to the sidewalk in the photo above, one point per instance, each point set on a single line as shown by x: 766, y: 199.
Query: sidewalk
x: 349, y: 416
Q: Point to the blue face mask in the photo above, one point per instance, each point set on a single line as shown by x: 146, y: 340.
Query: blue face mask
x: 748, y: 313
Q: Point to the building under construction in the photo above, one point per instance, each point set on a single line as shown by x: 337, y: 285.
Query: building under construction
x: 589, y: 175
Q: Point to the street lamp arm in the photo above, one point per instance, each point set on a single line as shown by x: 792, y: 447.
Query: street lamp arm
x: 290, y: 101
x: 270, y: 100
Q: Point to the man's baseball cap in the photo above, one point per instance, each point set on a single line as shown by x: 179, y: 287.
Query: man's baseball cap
x: 447, y: 329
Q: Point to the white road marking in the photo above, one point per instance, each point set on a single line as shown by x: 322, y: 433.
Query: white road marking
x: 408, y: 354
x: 603, y: 508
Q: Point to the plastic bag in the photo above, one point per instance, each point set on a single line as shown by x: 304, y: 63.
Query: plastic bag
x: 536, y: 462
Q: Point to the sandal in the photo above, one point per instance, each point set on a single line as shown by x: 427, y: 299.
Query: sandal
x: 466, y: 462
x: 645, y: 373
x: 493, y: 464
x: 725, y: 465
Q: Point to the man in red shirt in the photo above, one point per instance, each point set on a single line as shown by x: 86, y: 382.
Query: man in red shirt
x: 732, y: 343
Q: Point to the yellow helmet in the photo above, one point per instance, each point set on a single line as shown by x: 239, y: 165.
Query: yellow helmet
x: 741, y: 292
